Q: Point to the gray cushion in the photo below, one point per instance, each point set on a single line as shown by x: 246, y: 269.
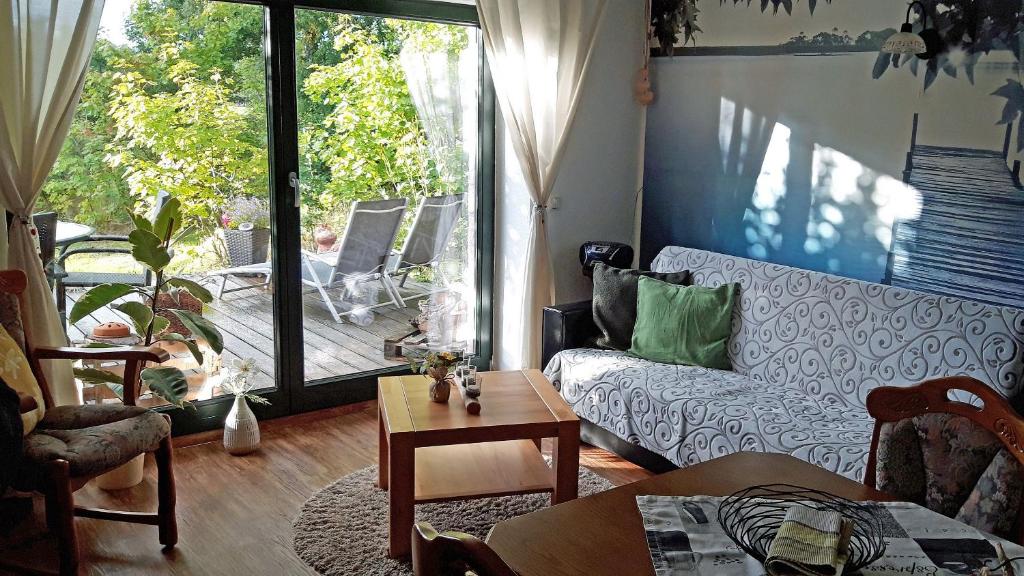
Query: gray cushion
x: 615, y: 292
x: 109, y: 436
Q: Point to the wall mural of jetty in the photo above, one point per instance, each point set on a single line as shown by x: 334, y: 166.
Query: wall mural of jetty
x: 784, y: 135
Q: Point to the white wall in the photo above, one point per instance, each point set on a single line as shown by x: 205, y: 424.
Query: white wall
x: 596, y: 186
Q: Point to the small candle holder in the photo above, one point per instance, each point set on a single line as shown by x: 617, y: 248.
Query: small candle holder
x: 470, y: 381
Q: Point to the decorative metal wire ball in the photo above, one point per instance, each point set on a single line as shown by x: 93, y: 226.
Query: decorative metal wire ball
x: 752, y: 517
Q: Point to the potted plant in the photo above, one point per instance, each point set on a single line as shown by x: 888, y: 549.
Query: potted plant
x: 241, y: 429
x: 669, y: 18
x: 438, y: 366
x: 152, y: 244
x: 245, y: 228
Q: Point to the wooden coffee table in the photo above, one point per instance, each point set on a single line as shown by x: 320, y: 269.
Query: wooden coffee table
x: 431, y: 452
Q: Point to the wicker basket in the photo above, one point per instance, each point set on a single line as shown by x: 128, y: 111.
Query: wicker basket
x: 246, y: 247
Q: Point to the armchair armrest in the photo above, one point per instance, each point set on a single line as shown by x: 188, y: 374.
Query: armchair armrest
x: 134, y: 358
x: 26, y: 403
x: 567, y: 326
x: 127, y: 353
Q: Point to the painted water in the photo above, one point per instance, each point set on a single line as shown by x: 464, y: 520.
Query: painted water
x: 799, y: 158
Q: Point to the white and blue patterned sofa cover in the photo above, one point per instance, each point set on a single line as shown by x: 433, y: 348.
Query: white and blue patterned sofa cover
x: 806, y: 349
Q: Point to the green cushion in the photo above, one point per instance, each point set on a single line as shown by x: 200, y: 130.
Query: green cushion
x: 615, y: 302
x: 683, y: 324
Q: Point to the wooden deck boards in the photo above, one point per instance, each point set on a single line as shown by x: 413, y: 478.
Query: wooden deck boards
x: 967, y: 239
x: 245, y: 318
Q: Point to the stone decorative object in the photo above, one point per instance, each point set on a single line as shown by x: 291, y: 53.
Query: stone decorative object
x: 241, y: 429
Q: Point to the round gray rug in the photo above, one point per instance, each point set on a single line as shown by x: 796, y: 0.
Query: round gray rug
x: 342, y: 529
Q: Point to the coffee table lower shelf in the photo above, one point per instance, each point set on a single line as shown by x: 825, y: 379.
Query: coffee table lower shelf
x: 480, y: 470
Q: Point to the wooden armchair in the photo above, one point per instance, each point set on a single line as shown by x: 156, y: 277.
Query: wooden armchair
x: 453, y: 554
x: 70, y: 445
x: 963, y: 460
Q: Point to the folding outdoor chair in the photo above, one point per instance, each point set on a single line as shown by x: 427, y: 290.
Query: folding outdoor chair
x: 258, y: 269
x: 362, y: 255
x: 428, y: 239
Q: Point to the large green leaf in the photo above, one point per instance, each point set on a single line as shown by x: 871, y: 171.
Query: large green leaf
x: 101, y: 378
x: 191, y: 344
x: 194, y: 288
x: 96, y: 298
x: 168, y: 383
x: 185, y: 234
x: 140, y: 314
x: 203, y: 328
x: 168, y: 219
x: 96, y: 376
x: 160, y: 324
x: 149, y: 250
x: 140, y: 222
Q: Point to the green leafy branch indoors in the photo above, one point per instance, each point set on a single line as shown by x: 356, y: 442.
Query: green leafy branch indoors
x: 152, y: 246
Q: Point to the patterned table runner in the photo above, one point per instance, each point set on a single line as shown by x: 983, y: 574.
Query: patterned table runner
x: 685, y: 539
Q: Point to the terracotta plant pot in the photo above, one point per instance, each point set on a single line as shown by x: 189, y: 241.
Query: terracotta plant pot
x: 325, y: 238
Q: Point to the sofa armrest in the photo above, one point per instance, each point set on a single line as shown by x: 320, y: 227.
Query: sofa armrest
x: 567, y: 326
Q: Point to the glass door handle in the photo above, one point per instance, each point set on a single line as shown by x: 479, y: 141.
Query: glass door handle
x: 293, y: 181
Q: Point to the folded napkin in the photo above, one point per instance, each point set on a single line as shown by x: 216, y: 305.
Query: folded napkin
x: 810, y: 543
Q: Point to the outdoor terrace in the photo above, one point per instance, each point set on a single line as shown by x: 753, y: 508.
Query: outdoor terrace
x: 245, y: 318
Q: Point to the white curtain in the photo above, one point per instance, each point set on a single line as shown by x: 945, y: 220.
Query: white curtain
x: 538, y: 52
x: 45, y: 46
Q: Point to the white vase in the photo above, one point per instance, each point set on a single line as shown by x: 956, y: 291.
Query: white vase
x: 241, y: 429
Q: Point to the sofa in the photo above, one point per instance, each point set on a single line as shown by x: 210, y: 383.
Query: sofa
x: 806, y: 348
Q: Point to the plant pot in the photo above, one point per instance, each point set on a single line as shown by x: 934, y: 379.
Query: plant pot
x: 241, y: 429
x: 165, y: 303
x: 440, y: 385
x: 246, y: 247
x: 325, y: 238
x: 127, y: 475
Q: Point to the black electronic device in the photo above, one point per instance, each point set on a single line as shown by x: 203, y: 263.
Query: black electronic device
x: 614, y: 254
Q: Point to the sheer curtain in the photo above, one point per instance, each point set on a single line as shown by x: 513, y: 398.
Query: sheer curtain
x: 444, y: 85
x: 538, y: 52
x: 45, y: 46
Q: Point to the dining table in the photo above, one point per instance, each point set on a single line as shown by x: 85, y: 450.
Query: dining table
x: 604, y: 535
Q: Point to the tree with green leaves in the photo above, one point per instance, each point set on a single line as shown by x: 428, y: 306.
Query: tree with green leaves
x: 370, y: 139
x: 152, y: 246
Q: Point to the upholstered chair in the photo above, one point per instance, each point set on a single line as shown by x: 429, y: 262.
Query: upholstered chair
x: 66, y: 446
x: 963, y: 459
x: 453, y: 554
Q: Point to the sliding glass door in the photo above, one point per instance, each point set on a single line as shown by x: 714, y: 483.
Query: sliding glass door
x: 388, y: 123
x: 334, y: 161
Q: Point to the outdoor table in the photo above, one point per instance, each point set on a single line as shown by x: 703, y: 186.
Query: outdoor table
x: 71, y: 232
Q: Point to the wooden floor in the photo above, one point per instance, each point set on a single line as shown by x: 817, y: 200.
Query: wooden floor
x: 245, y: 318
x: 235, y: 513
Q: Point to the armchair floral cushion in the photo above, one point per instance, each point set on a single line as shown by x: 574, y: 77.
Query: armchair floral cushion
x: 95, y: 438
x: 952, y: 466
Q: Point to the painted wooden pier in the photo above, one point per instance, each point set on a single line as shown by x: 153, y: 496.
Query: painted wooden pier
x: 969, y: 238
